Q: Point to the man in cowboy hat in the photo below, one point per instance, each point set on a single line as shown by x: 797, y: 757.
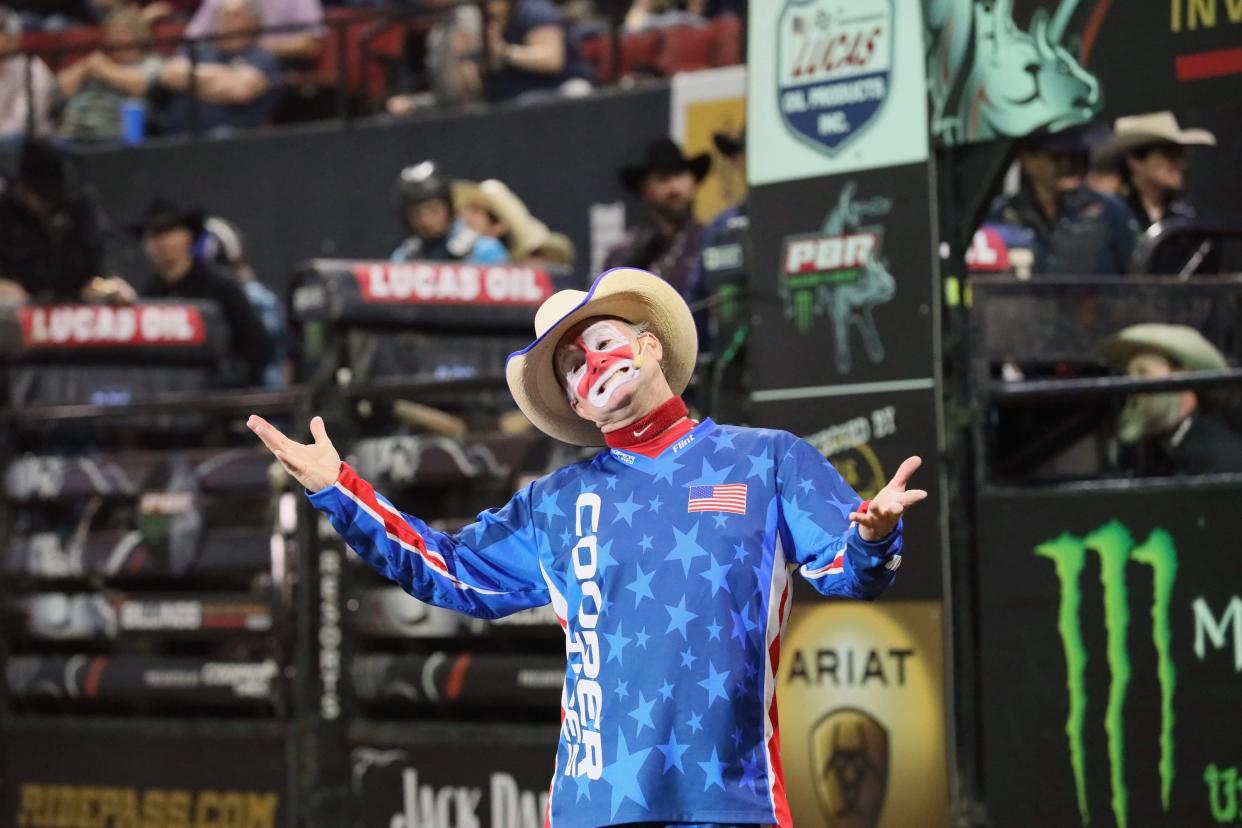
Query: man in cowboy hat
x: 52, y: 233
x: 1150, y: 151
x: 1179, y: 436
x: 1068, y: 227
x: 666, y: 557
x: 169, y: 234
x: 668, y: 240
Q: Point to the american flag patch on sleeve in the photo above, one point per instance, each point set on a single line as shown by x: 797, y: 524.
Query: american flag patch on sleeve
x: 724, y: 497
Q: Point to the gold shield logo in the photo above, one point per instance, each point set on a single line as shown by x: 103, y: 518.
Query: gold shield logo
x: 849, y: 752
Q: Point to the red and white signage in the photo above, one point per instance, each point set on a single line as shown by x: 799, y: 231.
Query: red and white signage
x: 987, y: 253
x: 78, y: 326
x: 824, y: 254
x: 431, y: 283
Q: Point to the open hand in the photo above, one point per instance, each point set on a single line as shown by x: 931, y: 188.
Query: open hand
x: 315, y: 465
x: 886, y: 508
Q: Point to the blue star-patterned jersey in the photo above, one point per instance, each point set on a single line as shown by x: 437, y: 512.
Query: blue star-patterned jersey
x: 670, y: 577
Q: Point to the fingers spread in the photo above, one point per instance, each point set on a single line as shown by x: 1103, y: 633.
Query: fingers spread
x: 909, y: 498
x: 905, y: 470
x: 269, y: 434
x: 318, y: 431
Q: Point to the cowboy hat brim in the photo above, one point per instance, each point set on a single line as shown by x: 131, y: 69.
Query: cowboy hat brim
x: 1116, y: 147
x: 1178, y: 343
x: 626, y: 293
x: 697, y: 165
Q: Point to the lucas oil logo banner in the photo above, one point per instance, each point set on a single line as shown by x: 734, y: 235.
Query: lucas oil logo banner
x: 835, y: 63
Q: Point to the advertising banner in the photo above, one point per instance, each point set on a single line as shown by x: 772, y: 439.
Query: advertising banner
x: 862, y: 715
x: 454, y: 777
x: 1007, y: 68
x: 848, y: 261
x: 834, y: 87
x: 122, y: 775
x: 1111, y: 643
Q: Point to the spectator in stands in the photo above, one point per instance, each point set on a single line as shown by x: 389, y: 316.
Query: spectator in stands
x: 1176, y: 435
x: 668, y: 240
x: 235, y: 80
x: 656, y: 14
x: 491, y: 209
x: 424, y: 203
x: 447, y: 59
x: 1066, y: 226
x: 299, y: 46
x: 99, y: 84
x: 722, y: 238
x: 222, y: 245
x: 52, y: 233
x: 532, y: 53
x: 27, y: 86
x: 1151, y: 153
x: 169, y: 234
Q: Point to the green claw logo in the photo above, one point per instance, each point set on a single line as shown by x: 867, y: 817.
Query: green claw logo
x: 1116, y: 550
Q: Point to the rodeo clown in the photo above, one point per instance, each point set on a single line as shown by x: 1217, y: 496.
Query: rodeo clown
x: 666, y: 558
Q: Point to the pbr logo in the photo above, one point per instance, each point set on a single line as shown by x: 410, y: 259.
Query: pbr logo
x: 838, y: 273
x: 849, y: 750
x: 834, y: 64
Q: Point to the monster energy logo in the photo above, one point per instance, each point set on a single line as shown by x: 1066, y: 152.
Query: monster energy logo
x: 1116, y: 548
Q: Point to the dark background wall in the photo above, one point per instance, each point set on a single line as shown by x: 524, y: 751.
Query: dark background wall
x: 326, y: 190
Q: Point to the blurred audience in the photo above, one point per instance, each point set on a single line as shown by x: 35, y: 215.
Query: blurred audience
x: 1150, y: 154
x: 531, y: 51
x: 27, y: 86
x: 1065, y: 225
x: 448, y: 59
x: 169, y: 234
x: 298, y: 46
x: 99, y: 84
x: 222, y: 245
x: 424, y: 201
x: 235, y: 80
x: 52, y: 233
x: 491, y: 209
x: 655, y: 14
x: 668, y: 239
x: 1170, y: 432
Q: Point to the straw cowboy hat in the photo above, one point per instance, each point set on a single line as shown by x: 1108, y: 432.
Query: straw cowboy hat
x: 526, y: 233
x: 1178, y: 343
x: 1138, y: 131
x: 623, y: 292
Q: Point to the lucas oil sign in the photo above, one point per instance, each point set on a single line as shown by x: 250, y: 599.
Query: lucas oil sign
x: 835, y: 62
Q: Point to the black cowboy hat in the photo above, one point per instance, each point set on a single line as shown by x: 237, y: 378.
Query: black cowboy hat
x: 44, y: 169
x: 664, y: 156
x: 164, y: 214
x: 730, y: 144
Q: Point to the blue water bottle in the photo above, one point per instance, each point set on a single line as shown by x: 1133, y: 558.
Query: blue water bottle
x: 133, y: 120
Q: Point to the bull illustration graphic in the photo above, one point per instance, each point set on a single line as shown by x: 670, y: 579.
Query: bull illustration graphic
x: 989, y: 79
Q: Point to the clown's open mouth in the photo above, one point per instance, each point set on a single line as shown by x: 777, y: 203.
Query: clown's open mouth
x: 615, y: 378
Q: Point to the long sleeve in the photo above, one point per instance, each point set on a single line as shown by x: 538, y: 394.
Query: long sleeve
x: 489, y: 569
x: 814, y: 503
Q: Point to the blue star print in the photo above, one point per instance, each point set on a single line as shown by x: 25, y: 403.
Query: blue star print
x: 713, y: 769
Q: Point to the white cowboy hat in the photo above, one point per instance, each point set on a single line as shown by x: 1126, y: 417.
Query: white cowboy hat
x: 623, y: 292
x: 1136, y: 131
x: 526, y: 233
x: 1179, y: 343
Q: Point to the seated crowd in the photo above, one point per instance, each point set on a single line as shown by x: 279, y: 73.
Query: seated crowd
x: 113, y: 70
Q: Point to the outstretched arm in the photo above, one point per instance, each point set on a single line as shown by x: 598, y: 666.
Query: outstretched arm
x: 842, y: 547
x: 489, y: 569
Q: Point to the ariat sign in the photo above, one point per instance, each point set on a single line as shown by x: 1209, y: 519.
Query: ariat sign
x: 1119, y: 555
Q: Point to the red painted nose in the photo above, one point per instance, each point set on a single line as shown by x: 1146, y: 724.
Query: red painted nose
x: 597, y: 363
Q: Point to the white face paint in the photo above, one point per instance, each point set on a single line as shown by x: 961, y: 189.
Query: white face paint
x: 599, y: 361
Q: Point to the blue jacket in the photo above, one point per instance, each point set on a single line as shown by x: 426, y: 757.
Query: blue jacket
x: 670, y: 577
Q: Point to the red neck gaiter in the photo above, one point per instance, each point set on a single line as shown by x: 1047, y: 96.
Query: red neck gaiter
x: 655, y: 431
